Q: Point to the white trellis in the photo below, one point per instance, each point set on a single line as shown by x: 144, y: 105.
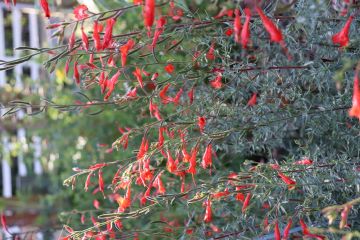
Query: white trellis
x: 17, y: 14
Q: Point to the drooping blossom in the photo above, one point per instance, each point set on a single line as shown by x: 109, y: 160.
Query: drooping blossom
x: 101, y: 181
x: 287, y: 228
x: 277, y: 231
x: 72, y: 39
x: 88, y: 181
x: 154, y: 111
x: 289, y: 181
x: 245, y: 32
x: 159, y: 30
x: 125, y: 202
x: 45, y: 6
x: 76, y: 73
x: 149, y: 14
x: 307, y: 233
x: 201, y: 123
x: 85, y: 39
x: 96, y: 204
x: 229, y: 32
x: 137, y: 74
x: 191, y: 95
x: 305, y: 161
x: 355, y: 109
x: 246, y: 202
x: 208, y: 211
x: 4, y: 224
x: 216, y: 82
x: 270, y: 27
x: 344, y: 216
x: 124, y: 50
x: 207, y: 157
x: 170, y: 165
x: 108, y: 33
x: 237, y: 26
x: 210, y: 54
x: 192, y: 161
x: 342, y: 37
x: 111, y: 85
x: 80, y: 12
x: 144, y: 147
x: 169, y: 68
x: 177, y: 97
x: 252, y: 100
x: 162, y: 94
x: 96, y: 35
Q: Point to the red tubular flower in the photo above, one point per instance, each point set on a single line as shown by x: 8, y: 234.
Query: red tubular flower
x: 80, y: 12
x: 192, y: 161
x: 159, y: 30
x: 111, y: 85
x: 145, y: 196
x: 290, y: 182
x: 277, y: 231
x: 162, y: 94
x: 72, y: 39
x: 201, y: 123
x: 208, y: 211
x: 237, y: 26
x: 143, y: 148
x: 307, y: 233
x: 191, y: 95
x: 137, y: 2
x: 126, y: 201
x: 170, y: 165
x: 96, y: 36
x: 160, y: 185
x: 124, y: 50
x: 270, y: 27
x: 169, y: 68
x: 228, y: 32
x: 45, y: 6
x: 355, y: 109
x: 252, y: 100
x: 305, y: 161
x: 88, y: 182
x: 96, y: 204
x: 342, y: 37
x: 177, y: 97
x: 108, y: 33
x: 246, y: 202
x: 287, y: 230
x: 344, y: 216
x: 4, y: 224
x: 207, y: 157
x: 76, y: 73
x: 161, y: 137
x: 149, y: 14
x: 85, y: 39
x: 154, y: 111
x: 210, y: 54
x: 245, y: 32
x: 185, y: 154
x: 101, y: 181
x: 137, y: 74
x: 221, y: 194
x: 216, y: 83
